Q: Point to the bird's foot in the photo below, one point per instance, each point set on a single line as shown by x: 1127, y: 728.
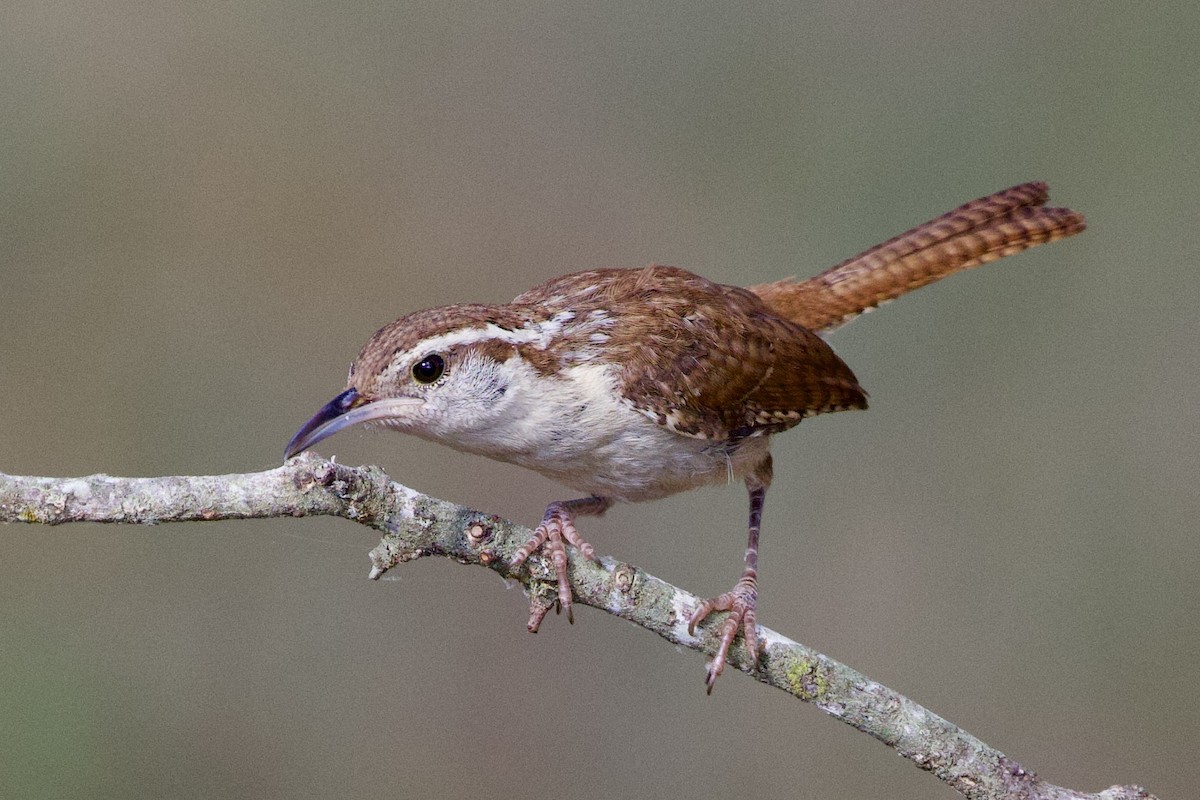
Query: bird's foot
x: 741, y: 603
x: 556, y: 531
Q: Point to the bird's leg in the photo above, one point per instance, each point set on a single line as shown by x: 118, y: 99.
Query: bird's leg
x: 742, y: 601
x: 555, y: 532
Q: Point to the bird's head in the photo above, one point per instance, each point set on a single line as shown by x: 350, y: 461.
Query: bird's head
x: 442, y: 374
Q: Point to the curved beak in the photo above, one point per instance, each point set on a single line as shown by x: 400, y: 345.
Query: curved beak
x: 348, y: 408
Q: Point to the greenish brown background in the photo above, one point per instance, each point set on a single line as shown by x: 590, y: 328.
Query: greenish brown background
x: 205, y: 208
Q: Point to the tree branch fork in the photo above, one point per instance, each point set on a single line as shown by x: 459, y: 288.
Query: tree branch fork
x: 416, y: 525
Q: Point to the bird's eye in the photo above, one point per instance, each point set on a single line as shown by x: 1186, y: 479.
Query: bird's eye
x: 429, y: 368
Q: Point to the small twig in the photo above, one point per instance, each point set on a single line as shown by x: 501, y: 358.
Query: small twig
x: 415, y: 525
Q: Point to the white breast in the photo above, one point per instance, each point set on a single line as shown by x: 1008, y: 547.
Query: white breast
x: 578, y: 430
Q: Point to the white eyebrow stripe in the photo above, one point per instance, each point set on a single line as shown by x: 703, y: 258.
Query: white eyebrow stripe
x: 540, y: 334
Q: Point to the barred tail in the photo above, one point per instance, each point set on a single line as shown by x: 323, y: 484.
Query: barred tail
x: 983, y: 230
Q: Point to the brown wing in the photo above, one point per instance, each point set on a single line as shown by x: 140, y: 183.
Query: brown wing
x: 703, y: 359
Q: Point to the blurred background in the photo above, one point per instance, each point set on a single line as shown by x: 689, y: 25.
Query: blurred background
x: 206, y: 208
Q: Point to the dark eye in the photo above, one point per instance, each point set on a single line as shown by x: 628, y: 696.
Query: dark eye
x: 429, y: 369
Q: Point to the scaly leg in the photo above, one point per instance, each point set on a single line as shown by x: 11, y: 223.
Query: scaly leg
x: 742, y: 601
x: 558, y: 525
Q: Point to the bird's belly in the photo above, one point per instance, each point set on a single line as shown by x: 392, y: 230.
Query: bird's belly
x: 649, y: 462
x: 633, y: 460
x: 584, y: 435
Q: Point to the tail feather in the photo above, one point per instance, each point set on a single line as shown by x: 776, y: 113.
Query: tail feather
x: 983, y: 230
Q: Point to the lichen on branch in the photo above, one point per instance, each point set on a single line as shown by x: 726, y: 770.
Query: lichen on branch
x: 415, y: 525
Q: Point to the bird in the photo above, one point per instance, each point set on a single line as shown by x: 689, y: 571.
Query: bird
x: 634, y: 384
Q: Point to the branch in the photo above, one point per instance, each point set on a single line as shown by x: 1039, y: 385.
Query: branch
x: 415, y: 525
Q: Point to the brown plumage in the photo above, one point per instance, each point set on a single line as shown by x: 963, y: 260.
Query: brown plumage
x: 973, y: 234
x: 701, y: 358
x: 634, y: 384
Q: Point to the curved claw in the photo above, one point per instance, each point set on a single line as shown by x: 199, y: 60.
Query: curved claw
x: 741, y: 603
x: 555, y: 533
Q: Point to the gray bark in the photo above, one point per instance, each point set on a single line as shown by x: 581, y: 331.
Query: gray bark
x: 414, y: 525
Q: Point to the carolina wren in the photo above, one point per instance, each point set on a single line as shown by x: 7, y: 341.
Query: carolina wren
x: 635, y: 384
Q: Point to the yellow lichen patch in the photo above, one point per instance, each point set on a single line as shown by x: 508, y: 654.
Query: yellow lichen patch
x: 805, y: 680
